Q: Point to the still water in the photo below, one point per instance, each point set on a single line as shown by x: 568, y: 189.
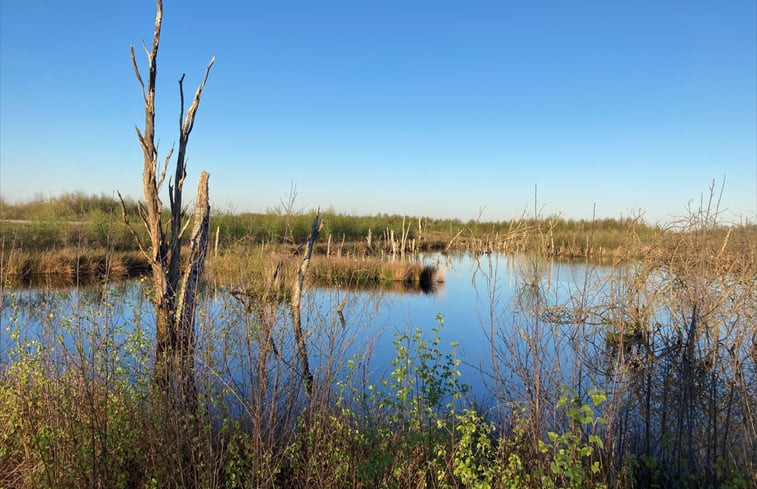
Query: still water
x: 477, y: 301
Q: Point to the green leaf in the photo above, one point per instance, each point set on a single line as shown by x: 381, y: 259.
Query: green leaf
x: 597, y: 441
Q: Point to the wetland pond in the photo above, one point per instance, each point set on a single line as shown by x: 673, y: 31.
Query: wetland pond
x: 485, y: 303
x: 673, y: 348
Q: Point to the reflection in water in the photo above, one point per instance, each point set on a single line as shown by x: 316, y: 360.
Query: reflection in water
x: 377, y: 312
x: 672, y: 351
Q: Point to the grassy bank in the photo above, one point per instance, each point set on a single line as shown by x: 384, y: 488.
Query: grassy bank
x: 78, y: 221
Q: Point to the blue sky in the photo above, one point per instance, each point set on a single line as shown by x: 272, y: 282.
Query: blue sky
x: 443, y: 108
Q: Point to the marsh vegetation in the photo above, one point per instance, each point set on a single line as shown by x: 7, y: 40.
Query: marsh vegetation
x: 638, y: 371
x: 50, y: 239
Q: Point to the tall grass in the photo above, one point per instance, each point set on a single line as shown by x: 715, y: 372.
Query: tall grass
x: 69, y: 221
x: 670, y: 339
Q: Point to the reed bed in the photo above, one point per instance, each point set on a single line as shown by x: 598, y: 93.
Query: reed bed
x: 270, y: 267
x: 359, y: 272
x: 72, y: 266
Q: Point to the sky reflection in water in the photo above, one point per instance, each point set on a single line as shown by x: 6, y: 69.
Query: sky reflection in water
x: 476, y: 291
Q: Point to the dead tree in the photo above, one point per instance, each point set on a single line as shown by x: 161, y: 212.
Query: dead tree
x: 307, y: 375
x: 175, y: 289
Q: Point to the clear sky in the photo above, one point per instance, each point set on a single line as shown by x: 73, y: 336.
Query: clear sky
x: 439, y: 108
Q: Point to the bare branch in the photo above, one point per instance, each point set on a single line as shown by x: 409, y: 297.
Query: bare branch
x: 142, y: 141
x: 180, y: 181
x: 170, y: 193
x: 131, y: 229
x: 143, y: 214
x: 184, y: 132
x: 136, y: 71
x: 156, y: 33
x: 184, y: 228
x: 165, y: 167
x: 181, y: 98
x: 189, y: 120
x: 177, y: 237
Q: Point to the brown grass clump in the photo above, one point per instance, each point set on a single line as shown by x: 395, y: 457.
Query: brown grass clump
x: 370, y: 272
x: 267, y: 269
x: 71, y: 266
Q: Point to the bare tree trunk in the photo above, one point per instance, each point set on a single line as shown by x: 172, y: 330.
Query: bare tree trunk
x: 175, y: 291
x: 187, y: 300
x: 296, y: 298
